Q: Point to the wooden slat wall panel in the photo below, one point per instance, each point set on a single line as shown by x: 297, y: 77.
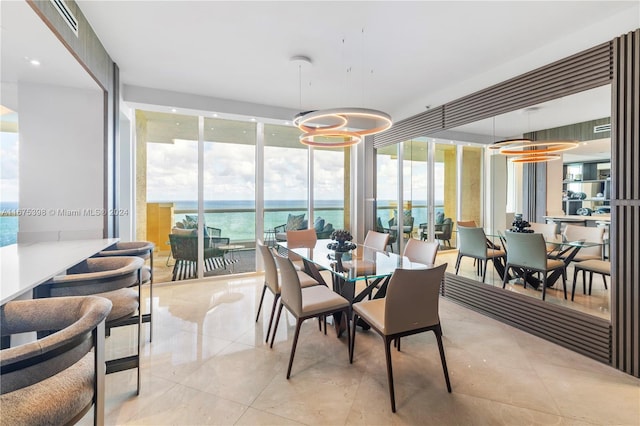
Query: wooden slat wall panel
x: 412, y: 127
x: 625, y: 200
x: 585, y: 70
x: 586, y: 334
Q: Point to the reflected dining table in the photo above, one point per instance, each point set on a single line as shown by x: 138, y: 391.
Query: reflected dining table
x: 363, y: 265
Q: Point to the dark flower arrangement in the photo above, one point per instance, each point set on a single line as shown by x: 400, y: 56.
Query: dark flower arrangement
x: 342, y: 239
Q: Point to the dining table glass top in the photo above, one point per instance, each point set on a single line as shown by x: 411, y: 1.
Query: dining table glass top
x: 359, y: 264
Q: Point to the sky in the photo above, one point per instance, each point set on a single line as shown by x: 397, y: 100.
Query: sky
x: 229, y: 172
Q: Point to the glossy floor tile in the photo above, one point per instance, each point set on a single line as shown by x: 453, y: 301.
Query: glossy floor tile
x: 208, y: 364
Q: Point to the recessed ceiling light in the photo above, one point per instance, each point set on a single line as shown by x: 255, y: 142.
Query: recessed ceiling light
x: 34, y: 62
x: 253, y: 119
x: 287, y: 123
x: 177, y: 124
x: 215, y: 115
x: 173, y: 110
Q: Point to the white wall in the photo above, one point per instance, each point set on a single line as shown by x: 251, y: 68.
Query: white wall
x: 61, y: 163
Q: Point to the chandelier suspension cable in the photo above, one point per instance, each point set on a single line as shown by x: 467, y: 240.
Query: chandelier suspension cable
x: 340, y: 127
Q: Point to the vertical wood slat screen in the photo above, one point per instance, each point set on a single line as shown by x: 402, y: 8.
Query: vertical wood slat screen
x: 625, y: 200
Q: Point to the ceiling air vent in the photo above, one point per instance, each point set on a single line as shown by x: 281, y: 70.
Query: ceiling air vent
x: 602, y: 128
x: 66, y: 14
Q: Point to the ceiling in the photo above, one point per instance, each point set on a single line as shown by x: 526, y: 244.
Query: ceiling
x: 394, y: 56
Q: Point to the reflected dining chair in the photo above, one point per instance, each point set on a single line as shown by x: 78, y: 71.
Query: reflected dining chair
x: 303, y: 303
x: 376, y: 240
x: 410, y: 307
x: 528, y: 252
x: 589, y: 234
x: 473, y: 243
x: 272, y: 282
x: 421, y: 251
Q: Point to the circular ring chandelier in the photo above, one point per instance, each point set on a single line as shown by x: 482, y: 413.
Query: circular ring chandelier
x: 330, y: 138
x: 340, y: 127
x: 528, y: 151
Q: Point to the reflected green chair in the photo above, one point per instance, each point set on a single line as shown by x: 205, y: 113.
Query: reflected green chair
x: 472, y: 242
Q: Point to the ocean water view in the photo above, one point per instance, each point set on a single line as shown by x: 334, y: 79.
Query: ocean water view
x: 236, y: 218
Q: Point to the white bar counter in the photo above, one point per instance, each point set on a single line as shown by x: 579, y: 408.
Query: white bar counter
x: 27, y: 265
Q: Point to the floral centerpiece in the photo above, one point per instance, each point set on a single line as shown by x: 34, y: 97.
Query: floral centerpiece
x: 342, y: 239
x: 521, y: 225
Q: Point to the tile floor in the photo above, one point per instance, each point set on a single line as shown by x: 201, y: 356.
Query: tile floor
x: 208, y: 364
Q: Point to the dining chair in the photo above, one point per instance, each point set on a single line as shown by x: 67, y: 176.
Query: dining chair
x: 528, y: 252
x: 602, y: 267
x: 473, y: 243
x: 410, y: 307
x: 376, y: 240
x: 304, y: 303
x: 467, y: 223
x: 548, y: 231
x: 303, y: 238
x: 589, y: 234
x: 271, y: 282
x: 421, y: 251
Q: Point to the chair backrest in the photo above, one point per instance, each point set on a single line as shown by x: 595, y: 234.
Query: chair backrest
x: 548, y: 230
x: 214, y: 232
x: 586, y: 233
x: 69, y: 348
x: 142, y: 249
x: 472, y: 242
x: 184, y: 247
x: 97, y: 275
x: 412, y: 299
x: 306, y: 238
x: 376, y: 240
x: 446, y: 228
x: 270, y: 268
x: 290, y: 290
x: 527, y: 250
x: 421, y: 251
x: 468, y: 223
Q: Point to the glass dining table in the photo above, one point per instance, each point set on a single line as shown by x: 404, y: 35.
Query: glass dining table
x: 364, y: 265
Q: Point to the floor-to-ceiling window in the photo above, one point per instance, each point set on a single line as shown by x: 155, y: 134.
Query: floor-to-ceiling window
x: 286, y: 176
x: 9, y: 151
x: 331, y: 189
x: 229, y: 179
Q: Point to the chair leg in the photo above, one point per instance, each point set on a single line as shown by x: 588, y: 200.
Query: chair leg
x: 544, y: 286
x: 584, y: 281
x: 273, y: 335
x: 345, y: 316
x: 504, y: 277
x: 458, y: 263
x: 398, y: 344
x: 438, y: 332
x: 264, y: 290
x: 484, y: 269
x: 293, y: 347
x: 564, y: 283
x: 590, y: 281
x: 353, y: 338
x: 604, y: 279
x: 573, y: 287
x: 276, y: 297
x: 387, y: 351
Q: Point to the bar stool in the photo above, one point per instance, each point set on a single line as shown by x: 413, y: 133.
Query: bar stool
x: 57, y: 379
x: 143, y: 250
x: 113, y: 279
x: 602, y: 267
